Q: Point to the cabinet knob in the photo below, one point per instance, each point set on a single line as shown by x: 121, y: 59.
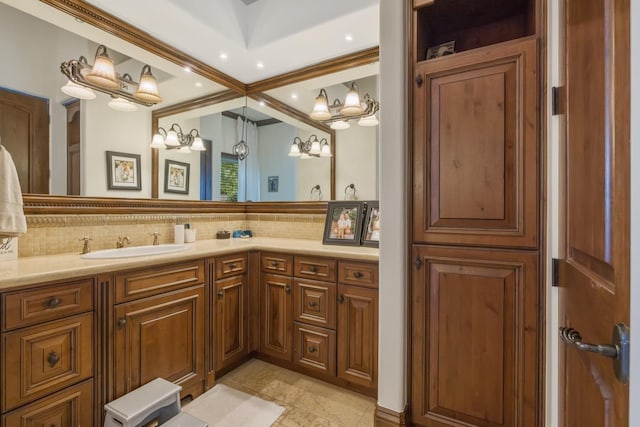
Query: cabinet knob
x: 274, y: 263
x: 121, y: 322
x: 53, y: 302
x: 287, y: 289
x: 312, y: 349
x: 357, y: 274
x: 313, y: 304
x: 53, y: 358
x: 340, y: 298
x: 419, y: 80
x: 313, y: 269
x: 220, y: 293
x: 233, y: 265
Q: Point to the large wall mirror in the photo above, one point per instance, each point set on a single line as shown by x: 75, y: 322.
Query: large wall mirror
x: 38, y: 38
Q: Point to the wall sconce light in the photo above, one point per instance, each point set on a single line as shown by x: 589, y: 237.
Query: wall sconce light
x: 101, y: 76
x: 312, y: 147
x: 176, y: 139
x: 338, y: 114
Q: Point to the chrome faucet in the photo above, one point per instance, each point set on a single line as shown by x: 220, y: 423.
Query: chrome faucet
x: 155, y: 235
x: 122, y: 241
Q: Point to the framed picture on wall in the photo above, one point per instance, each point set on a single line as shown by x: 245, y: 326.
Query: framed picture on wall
x: 272, y: 184
x: 371, y: 232
x: 343, y: 225
x: 176, y: 177
x: 123, y: 171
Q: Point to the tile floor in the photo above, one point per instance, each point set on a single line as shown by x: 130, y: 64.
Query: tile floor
x: 308, y: 402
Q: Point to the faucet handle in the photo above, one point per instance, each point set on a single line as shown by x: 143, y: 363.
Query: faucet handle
x: 85, y: 249
x: 155, y: 235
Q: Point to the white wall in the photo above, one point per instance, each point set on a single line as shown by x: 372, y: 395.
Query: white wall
x: 312, y: 172
x: 634, y: 398
x: 393, y: 282
x: 274, y: 142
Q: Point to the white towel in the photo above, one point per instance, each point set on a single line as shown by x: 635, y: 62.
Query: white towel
x: 12, y: 220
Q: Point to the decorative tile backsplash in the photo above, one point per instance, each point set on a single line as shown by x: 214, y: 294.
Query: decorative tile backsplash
x: 54, y: 234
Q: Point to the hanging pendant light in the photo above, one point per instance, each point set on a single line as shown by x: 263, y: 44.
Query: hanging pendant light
x: 103, y: 73
x: 241, y: 149
x: 148, y: 87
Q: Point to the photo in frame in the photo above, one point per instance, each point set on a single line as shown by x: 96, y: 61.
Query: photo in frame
x: 343, y: 225
x: 272, y: 184
x: 123, y: 171
x: 176, y: 177
x: 371, y: 232
x: 442, y: 49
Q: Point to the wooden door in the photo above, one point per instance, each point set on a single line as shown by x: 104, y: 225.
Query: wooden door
x: 475, y: 147
x: 277, y: 322
x: 594, y: 274
x: 475, y: 340
x: 161, y: 336
x: 358, y: 335
x: 231, y: 321
x: 24, y: 132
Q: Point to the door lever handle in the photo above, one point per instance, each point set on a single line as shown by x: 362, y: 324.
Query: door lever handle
x: 618, y: 351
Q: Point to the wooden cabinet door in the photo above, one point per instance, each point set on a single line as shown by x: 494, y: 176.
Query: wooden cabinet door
x: 358, y: 335
x: 277, y: 316
x: 161, y: 336
x: 475, y: 339
x: 475, y: 147
x: 231, y: 329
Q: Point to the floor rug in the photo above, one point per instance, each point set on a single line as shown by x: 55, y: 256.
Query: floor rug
x: 224, y: 406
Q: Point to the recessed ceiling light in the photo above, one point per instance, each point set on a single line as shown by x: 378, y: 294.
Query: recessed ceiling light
x: 223, y: 55
x: 348, y: 37
x: 187, y: 69
x: 198, y: 84
x: 261, y: 103
x: 260, y: 65
x: 294, y: 96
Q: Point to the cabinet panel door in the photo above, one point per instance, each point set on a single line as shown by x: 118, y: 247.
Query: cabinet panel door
x: 314, y: 349
x: 314, y: 303
x: 231, y: 321
x: 475, y: 148
x: 276, y: 316
x: 160, y: 336
x: 474, y: 338
x: 358, y: 335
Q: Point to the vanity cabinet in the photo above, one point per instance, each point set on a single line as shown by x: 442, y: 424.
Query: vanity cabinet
x: 159, y: 327
x: 48, y: 346
x: 231, y: 302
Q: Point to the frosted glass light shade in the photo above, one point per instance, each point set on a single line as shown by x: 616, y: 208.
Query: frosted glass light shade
x: 315, y: 147
x: 340, y: 125
x: 368, y: 121
x: 352, y: 105
x: 305, y: 156
x: 294, y: 151
x: 172, y: 139
x: 102, y: 73
x: 321, y: 108
x: 122, y: 104
x: 148, y: 87
x: 77, y: 91
x: 198, y: 145
x: 325, y: 151
x: 157, y: 141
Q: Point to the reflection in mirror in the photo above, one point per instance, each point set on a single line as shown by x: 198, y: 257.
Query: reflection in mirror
x: 69, y: 155
x: 268, y: 173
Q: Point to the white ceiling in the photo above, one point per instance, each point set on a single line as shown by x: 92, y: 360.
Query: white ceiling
x: 283, y: 35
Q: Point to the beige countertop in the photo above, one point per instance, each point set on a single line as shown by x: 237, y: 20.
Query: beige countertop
x: 30, y: 270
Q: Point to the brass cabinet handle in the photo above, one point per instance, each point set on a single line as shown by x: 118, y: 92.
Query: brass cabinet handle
x: 53, y: 302
x: 121, y: 322
x: 340, y: 298
x: 220, y: 293
x: 53, y: 358
x: 357, y: 274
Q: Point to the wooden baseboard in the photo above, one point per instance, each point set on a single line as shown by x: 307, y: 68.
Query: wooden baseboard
x: 388, y: 418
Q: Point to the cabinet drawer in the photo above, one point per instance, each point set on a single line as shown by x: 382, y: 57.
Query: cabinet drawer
x: 277, y: 263
x: 71, y: 407
x: 315, y: 268
x: 314, y: 302
x: 23, y: 308
x: 358, y: 273
x: 46, y: 358
x: 157, y: 280
x: 231, y: 265
x: 314, y: 348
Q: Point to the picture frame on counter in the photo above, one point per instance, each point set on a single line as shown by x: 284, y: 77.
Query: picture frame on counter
x: 343, y: 224
x: 123, y: 171
x: 372, y: 220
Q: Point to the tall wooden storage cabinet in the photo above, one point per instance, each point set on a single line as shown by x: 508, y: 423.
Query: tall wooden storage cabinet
x: 475, y: 227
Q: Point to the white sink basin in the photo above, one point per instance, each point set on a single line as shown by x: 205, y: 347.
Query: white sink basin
x: 135, y: 251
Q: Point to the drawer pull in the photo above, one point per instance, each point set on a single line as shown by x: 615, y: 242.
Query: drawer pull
x: 122, y: 322
x: 357, y: 275
x: 53, y: 302
x: 287, y: 289
x: 53, y: 358
x: 313, y: 269
x: 312, y: 349
x: 274, y: 264
x: 220, y: 293
x: 313, y: 304
x: 233, y: 265
x: 340, y: 298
